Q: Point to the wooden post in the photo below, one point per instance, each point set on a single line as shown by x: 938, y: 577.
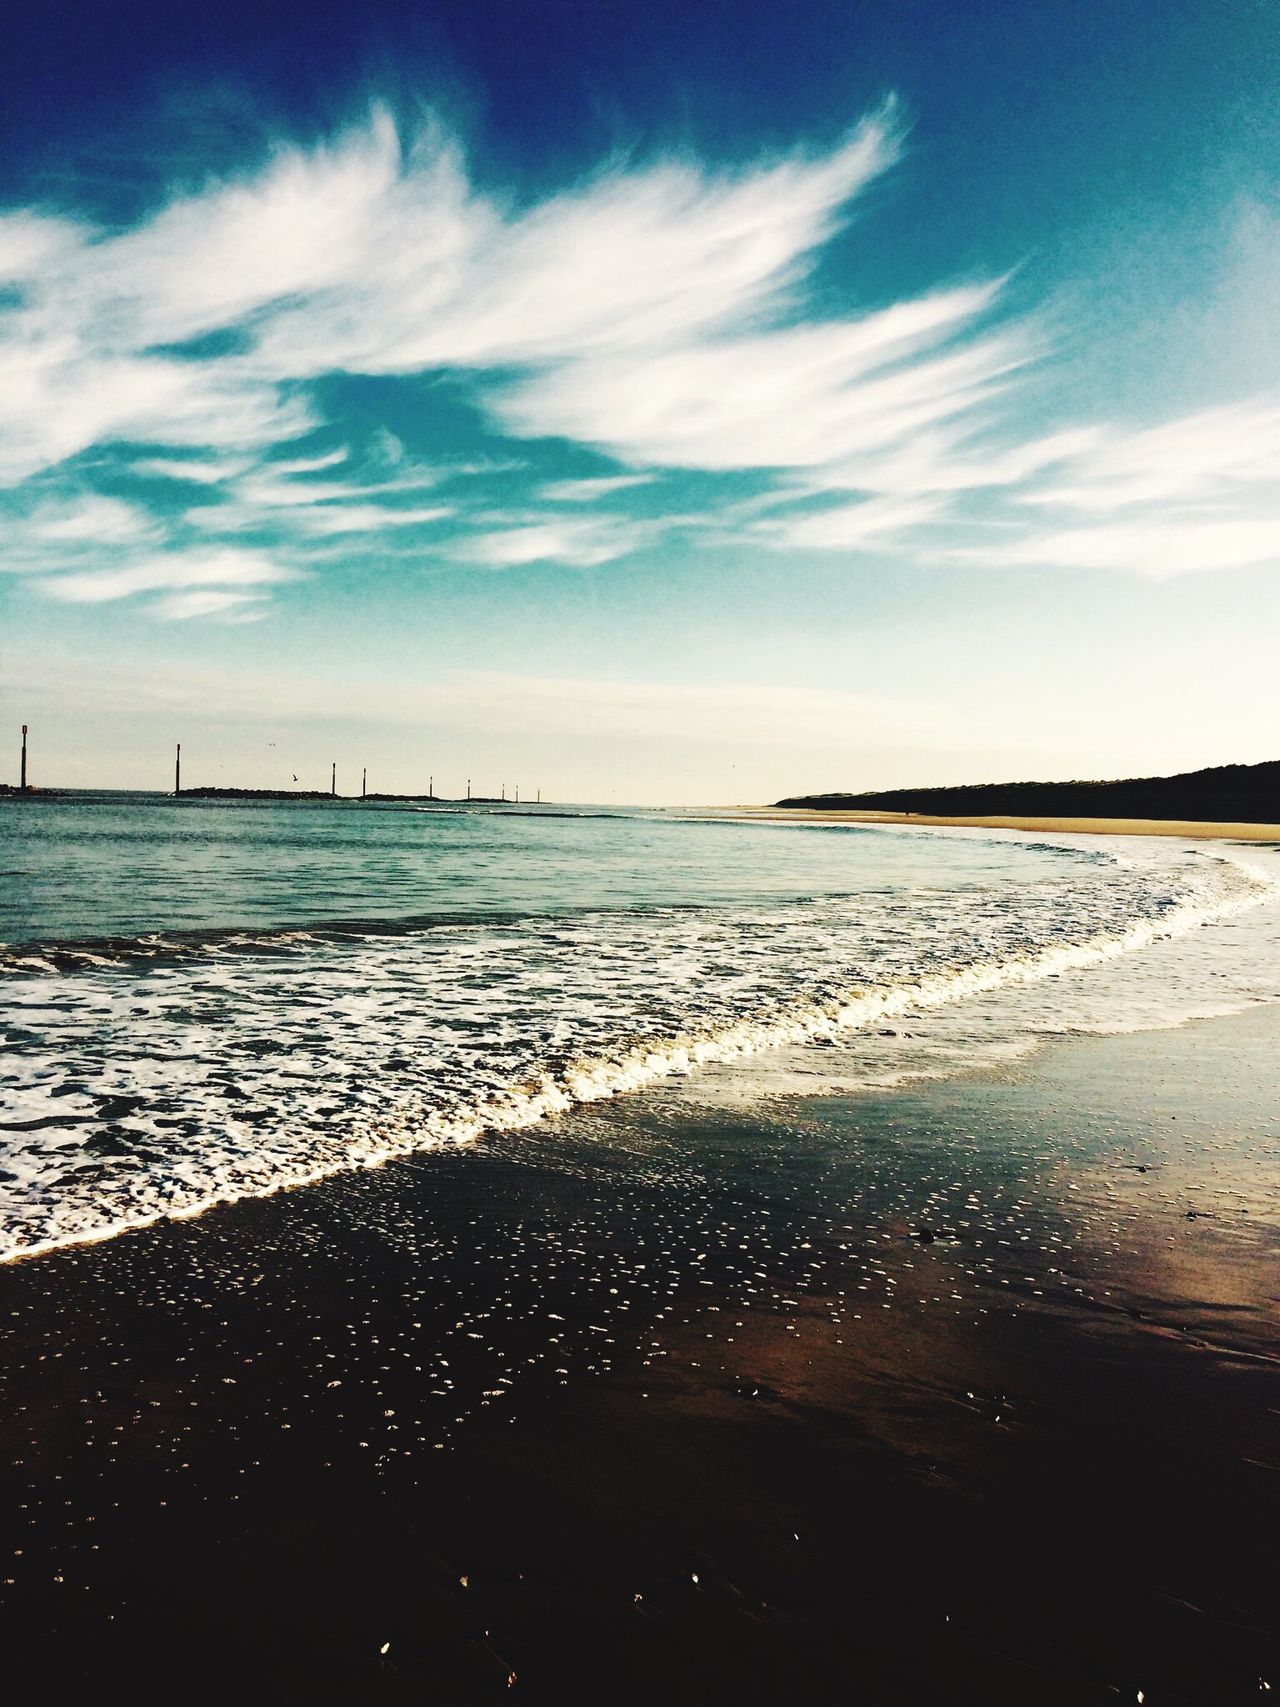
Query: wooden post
x: 539, y: 797
x: 22, y: 784
x: 504, y: 791
x: 468, y: 788
x: 517, y: 794
x: 177, y: 769
x: 333, y: 779
x: 364, y: 782
x: 431, y: 788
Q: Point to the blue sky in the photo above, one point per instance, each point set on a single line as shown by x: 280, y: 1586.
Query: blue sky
x: 678, y: 402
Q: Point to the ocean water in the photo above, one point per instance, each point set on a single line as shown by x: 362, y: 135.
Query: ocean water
x: 204, y: 1001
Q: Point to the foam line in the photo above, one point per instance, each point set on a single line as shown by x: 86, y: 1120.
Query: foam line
x: 1219, y: 889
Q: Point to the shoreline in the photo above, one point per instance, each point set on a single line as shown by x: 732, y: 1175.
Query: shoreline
x: 913, y: 1386
x: 1187, y: 828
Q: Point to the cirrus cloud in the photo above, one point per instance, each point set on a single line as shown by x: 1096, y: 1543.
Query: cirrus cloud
x: 221, y: 570
x: 657, y: 314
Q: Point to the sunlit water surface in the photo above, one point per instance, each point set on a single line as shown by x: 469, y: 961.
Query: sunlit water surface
x: 207, y: 1001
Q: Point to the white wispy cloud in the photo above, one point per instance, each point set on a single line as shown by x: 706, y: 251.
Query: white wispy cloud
x: 32, y: 241
x: 582, y: 543
x: 436, y: 275
x: 222, y: 570
x: 371, y: 255
x: 58, y: 534
x: 802, y: 397
x: 283, y: 497
x: 269, y: 489
x: 658, y: 312
x: 1153, y: 546
x: 200, y: 471
x: 1198, y: 493
x: 66, y: 384
x: 92, y: 520
x: 239, y: 607
x: 369, y: 519
x: 1219, y: 453
x: 944, y: 459
x: 312, y: 464
x: 845, y: 527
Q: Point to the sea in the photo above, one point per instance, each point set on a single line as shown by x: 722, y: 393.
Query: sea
x: 202, y: 1001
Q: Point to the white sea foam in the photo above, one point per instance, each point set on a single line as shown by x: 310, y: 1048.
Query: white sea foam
x: 140, y: 1091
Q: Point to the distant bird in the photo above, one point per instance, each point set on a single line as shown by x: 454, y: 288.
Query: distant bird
x: 295, y: 776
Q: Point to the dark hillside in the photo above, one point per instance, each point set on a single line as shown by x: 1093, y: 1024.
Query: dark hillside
x: 1233, y: 794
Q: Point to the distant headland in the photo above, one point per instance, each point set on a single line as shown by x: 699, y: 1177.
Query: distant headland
x: 1239, y: 794
x: 253, y: 794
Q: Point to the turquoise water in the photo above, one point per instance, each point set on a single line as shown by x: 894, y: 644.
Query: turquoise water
x: 206, y: 1001
x: 89, y: 867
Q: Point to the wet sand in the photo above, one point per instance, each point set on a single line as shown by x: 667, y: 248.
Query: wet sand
x: 960, y: 1393
x: 1190, y: 828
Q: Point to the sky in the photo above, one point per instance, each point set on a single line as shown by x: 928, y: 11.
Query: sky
x: 683, y: 402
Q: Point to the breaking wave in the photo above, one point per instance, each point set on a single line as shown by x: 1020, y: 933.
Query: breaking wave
x: 160, y: 1078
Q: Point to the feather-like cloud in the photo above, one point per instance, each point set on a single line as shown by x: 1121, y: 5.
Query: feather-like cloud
x: 657, y: 312
x: 581, y: 543
x: 1211, y: 454
x: 1197, y: 493
x: 223, y: 570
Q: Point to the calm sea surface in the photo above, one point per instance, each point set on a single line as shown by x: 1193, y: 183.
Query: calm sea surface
x: 202, y: 1001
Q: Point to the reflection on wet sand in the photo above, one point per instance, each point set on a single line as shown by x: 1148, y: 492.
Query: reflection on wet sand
x: 926, y: 1395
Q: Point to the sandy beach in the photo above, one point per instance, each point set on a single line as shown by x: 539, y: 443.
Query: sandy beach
x: 482, y: 1219
x: 963, y: 1392
x: 1188, y: 828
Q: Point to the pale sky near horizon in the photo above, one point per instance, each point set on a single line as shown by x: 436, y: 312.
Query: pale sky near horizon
x: 676, y: 403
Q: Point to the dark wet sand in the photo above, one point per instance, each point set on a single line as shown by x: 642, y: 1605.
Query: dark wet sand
x: 714, y: 1422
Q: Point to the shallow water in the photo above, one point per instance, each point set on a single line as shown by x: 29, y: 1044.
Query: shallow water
x: 83, y: 869
x: 207, y: 1002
